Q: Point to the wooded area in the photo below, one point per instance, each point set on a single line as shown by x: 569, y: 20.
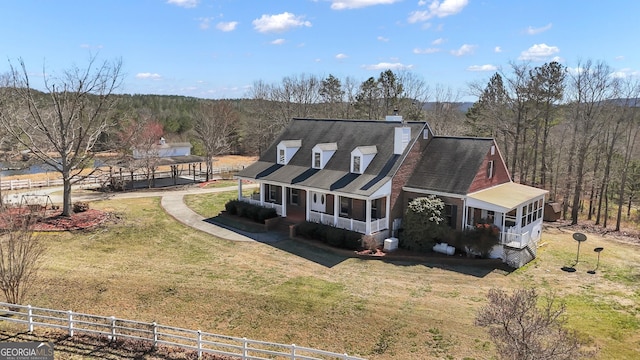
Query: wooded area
x: 571, y: 131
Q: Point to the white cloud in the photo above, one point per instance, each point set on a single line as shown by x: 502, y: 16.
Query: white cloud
x: 227, y: 26
x: 383, y: 39
x: 152, y: 76
x: 437, y: 9
x: 387, y: 66
x: 205, y: 23
x: 497, y: 49
x: 278, y: 42
x: 533, y: 31
x: 426, y: 51
x: 438, y: 41
x: 619, y: 58
x: 464, y: 50
x: 341, y: 56
x: 486, y: 67
x: 184, y: 3
x: 539, y: 52
x: 625, y: 73
x: 279, y: 23
x: 356, y: 4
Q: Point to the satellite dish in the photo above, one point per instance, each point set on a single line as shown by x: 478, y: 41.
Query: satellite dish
x: 579, y: 237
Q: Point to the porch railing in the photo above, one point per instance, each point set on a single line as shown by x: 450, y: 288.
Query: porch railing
x: 347, y: 223
x: 515, y: 240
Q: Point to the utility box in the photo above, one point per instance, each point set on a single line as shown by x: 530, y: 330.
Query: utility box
x: 390, y: 244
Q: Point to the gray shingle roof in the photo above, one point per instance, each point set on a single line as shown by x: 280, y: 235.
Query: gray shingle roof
x: 450, y: 164
x: 347, y: 134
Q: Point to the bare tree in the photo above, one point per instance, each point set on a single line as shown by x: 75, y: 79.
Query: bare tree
x: 523, y: 331
x: 414, y: 97
x: 20, y: 253
x: 591, y: 86
x: 62, y: 126
x: 215, y: 125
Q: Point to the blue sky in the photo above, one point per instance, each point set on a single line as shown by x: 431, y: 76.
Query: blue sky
x: 219, y: 48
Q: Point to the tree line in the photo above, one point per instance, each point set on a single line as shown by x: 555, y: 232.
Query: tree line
x: 570, y: 131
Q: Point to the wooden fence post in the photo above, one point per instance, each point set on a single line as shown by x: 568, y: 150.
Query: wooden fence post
x: 30, y: 317
x: 70, y: 323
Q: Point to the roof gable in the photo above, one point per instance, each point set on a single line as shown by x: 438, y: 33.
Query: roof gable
x: 450, y: 164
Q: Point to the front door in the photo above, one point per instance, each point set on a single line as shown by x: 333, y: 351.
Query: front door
x: 318, y: 202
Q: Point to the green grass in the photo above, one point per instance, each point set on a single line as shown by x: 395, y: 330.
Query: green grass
x: 210, y: 205
x: 149, y: 267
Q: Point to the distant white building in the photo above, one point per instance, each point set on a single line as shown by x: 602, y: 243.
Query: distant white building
x: 163, y: 150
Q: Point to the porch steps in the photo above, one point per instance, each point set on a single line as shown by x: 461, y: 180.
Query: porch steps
x: 517, y: 257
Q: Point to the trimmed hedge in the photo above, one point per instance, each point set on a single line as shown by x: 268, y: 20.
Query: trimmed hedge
x: 330, y: 235
x: 250, y: 211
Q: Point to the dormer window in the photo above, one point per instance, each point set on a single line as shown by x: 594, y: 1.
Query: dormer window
x: 286, y: 150
x: 322, y: 153
x: 316, y: 160
x: 356, y: 164
x: 361, y: 157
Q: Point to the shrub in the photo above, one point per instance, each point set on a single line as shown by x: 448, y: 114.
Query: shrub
x: 481, y: 239
x: 307, y: 229
x: 250, y: 211
x: 423, y: 224
x: 231, y: 207
x: 331, y: 235
x: 335, y: 237
x: 80, y: 206
x: 266, y: 213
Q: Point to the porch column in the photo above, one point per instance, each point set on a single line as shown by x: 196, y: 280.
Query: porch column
x: 336, y: 209
x: 307, y: 207
x: 239, y: 189
x: 284, y: 201
x: 263, y: 189
x: 388, y: 214
x: 368, y: 218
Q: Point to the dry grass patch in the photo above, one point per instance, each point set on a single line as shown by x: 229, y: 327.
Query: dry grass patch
x: 148, y: 267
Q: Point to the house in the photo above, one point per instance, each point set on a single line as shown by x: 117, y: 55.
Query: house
x: 360, y: 175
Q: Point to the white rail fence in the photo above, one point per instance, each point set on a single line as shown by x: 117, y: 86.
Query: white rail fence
x: 156, y: 334
x: 18, y: 184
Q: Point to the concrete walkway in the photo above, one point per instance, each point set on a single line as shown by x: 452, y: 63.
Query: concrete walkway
x: 172, y: 202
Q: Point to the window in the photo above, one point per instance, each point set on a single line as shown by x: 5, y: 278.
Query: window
x: 523, y: 220
x: 374, y: 208
x: 356, y: 164
x: 282, y: 157
x: 273, y: 192
x: 345, y: 205
x: 450, y: 215
x: 294, y: 196
x: 490, y: 169
x: 540, y: 207
x: 316, y: 160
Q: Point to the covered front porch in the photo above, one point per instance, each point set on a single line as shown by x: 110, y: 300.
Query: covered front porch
x: 517, y: 210
x: 367, y: 216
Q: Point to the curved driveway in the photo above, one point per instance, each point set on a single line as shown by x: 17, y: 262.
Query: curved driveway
x: 172, y: 202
